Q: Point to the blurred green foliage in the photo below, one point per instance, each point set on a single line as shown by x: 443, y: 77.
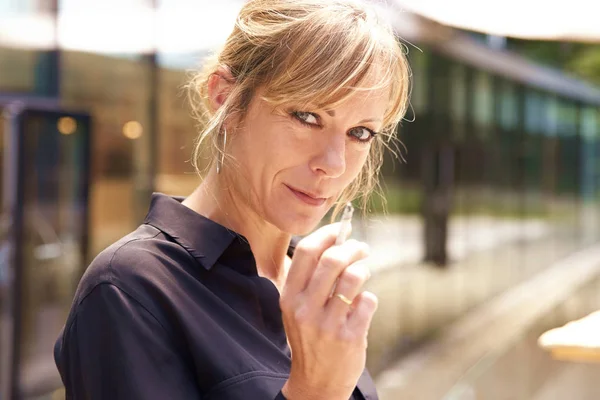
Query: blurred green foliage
x: 581, y: 60
x: 471, y: 201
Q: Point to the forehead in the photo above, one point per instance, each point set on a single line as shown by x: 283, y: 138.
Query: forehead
x: 371, y: 101
x: 367, y: 103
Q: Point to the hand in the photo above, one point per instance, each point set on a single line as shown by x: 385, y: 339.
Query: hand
x: 328, y: 337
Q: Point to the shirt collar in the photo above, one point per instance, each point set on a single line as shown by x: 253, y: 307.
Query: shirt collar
x: 203, y: 238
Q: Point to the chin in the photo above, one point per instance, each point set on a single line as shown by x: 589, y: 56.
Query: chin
x: 297, y: 224
x: 303, y: 230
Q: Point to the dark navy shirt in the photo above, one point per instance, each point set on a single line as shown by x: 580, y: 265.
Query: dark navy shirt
x: 176, y: 310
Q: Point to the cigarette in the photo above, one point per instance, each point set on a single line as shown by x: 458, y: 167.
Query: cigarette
x: 346, y: 224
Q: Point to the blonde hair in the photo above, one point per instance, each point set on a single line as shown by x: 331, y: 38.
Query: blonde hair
x: 306, y: 52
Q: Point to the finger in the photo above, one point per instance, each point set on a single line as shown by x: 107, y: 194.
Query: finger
x: 365, y: 304
x: 332, y: 263
x: 349, y: 284
x: 307, y: 255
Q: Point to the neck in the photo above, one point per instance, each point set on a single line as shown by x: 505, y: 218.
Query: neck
x: 216, y: 201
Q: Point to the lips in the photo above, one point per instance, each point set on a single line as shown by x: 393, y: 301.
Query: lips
x: 307, y: 197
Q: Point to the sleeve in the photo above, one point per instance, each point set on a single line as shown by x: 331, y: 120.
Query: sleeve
x: 116, y: 349
x: 280, y: 396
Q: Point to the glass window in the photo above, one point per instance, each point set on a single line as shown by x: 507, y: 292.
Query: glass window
x: 28, y: 63
x: 17, y: 70
x: 20, y: 6
x: 52, y: 237
x: 566, y: 118
x: 176, y: 135
x: 483, y: 101
x: 508, y: 106
x: 2, y: 166
x: 419, y: 62
x: 77, y: 4
x: 533, y: 111
x: 115, y: 90
x: 181, y: 61
x: 211, y: 24
x: 589, y: 127
x: 589, y: 157
x: 458, y: 99
x: 550, y: 125
x: 175, y: 27
x: 27, y: 30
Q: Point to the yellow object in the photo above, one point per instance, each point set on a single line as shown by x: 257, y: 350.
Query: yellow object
x: 66, y: 125
x: 577, y: 340
x: 343, y: 298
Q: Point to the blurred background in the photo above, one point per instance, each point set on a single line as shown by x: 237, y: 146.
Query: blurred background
x: 491, y: 235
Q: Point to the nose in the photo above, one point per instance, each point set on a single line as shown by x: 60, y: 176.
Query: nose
x: 330, y: 158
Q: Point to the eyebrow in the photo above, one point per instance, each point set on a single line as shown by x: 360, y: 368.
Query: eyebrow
x: 332, y: 114
x: 369, y: 120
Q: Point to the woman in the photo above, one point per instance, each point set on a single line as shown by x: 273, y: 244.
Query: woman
x: 209, y: 298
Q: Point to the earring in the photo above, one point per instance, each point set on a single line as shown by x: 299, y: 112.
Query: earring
x: 221, y: 157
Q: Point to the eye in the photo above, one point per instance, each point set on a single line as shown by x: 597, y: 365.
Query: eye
x: 362, y: 134
x: 306, y: 117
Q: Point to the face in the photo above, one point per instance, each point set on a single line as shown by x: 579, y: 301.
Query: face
x: 294, y: 163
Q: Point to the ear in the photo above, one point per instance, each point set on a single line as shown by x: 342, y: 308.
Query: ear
x: 220, y: 84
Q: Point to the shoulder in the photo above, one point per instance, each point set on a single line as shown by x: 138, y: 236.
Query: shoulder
x: 141, y: 265
x: 121, y: 262
x: 129, y: 284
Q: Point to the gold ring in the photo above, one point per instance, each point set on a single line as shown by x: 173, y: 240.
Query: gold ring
x: 343, y: 298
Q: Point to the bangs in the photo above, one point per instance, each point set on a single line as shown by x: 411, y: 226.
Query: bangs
x: 326, y: 64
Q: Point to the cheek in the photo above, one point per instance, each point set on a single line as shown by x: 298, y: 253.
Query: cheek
x: 265, y: 154
x: 355, y: 163
x: 285, y: 148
